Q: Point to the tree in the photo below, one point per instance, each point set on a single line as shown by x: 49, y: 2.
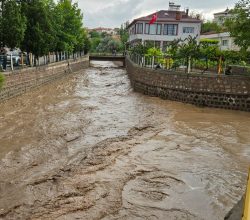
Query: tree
x: 95, y: 43
x: 189, y: 49
x: 234, y: 57
x: 108, y: 44
x: 210, y: 27
x: 239, y: 24
x: 140, y: 49
x: 154, y: 52
x: 123, y: 32
x: 87, y: 43
x: 39, y: 35
x: 13, y: 24
x: 69, y: 26
x: 94, y: 34
x: 173, y: 47
x: 209, y: 50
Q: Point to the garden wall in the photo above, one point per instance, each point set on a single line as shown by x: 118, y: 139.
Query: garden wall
x: 219, y: 91
x: 23, y: 80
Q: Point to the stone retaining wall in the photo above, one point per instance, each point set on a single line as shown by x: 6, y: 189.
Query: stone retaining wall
x: 23, y: 80
x: 219, y: 91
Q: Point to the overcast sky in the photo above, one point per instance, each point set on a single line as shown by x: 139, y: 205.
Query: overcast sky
x: 112, y: 13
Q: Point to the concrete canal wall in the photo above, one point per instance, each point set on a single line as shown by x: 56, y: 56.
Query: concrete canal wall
x: 219, y: 91
x: 23, y: 80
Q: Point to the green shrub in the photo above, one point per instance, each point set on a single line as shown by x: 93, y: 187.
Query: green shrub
x: 1, y: 80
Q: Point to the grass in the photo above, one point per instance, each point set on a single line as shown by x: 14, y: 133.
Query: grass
x: 1, y: 80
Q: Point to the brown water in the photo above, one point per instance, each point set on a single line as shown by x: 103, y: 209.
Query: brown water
x: 88, y: 147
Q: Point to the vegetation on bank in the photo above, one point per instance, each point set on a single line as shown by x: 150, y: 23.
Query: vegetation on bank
x: 238, y: 25
x: 43, y: 26
x: 212, y: 27
x: 1, y: 80
x: 107, y: 43
x: 204, y: 55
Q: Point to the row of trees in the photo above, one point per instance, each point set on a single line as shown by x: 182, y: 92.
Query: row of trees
x: 42, y: 26
x: 106, y: 43
x: 204, y: 54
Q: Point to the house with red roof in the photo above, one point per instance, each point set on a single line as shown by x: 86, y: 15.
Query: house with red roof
x: 170, y: 24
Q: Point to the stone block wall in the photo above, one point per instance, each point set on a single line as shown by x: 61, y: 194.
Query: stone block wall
x: 23, y: 80
x: 219, y: 91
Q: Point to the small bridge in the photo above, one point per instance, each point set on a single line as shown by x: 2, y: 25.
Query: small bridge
x: 107, y: 57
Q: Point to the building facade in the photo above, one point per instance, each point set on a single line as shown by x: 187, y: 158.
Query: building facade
x: 220, y: 17
x: 170, y: 25
x: 104, y: 30
x: 225, y: 41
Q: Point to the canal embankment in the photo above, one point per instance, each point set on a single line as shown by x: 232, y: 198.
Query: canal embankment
x: 219, y: 91
x: 23, y: 80
x: 88, y: 147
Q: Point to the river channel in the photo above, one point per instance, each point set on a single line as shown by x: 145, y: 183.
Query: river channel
x: 88, y: 147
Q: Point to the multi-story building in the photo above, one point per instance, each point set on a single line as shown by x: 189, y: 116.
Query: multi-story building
x: 220, y: 17
x: 171, y: 24
x: 225, y: 42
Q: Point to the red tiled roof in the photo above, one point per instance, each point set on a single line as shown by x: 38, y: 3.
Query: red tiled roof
x: 166, y: 15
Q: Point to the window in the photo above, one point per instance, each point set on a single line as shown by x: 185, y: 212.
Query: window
x: 188, y: 30
x: 159, y: 26
x: 170, y: 29
x: 224, y: 42
x: 146, y: 29
x: 132, y: 30
x: 152, y: 29
x: 139, y: 28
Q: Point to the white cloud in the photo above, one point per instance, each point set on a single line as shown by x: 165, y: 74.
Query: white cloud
x: 112, y: 13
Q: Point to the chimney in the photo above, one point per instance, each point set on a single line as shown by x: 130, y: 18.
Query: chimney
x: 173, y: 7
x: 187, y: 11
x: 178, y: 15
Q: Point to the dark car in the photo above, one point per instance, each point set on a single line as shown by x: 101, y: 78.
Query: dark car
x: 16, y: 58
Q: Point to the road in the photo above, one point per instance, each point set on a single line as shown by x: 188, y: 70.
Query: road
x: 88, y: 147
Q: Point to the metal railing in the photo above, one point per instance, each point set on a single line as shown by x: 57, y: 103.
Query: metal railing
x: 167, y: 63
x: 154, y: 62
x: 11, y: 62
x: 107, y: 54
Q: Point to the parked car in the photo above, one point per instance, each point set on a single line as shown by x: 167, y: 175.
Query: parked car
x: 16, y: 58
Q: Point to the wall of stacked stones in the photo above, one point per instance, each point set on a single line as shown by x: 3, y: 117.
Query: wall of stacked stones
x: 23, y: 80
x: 219, y: 91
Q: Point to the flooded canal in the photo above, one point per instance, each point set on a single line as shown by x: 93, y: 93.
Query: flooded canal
x: 88, y: 147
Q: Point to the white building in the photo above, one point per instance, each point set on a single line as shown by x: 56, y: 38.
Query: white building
x: 171, y: 24
x: 220, y: 17
x: 225, y: 41
x: 104, y: 30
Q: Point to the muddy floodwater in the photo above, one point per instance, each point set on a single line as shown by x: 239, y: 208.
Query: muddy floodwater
x: 88, y: 147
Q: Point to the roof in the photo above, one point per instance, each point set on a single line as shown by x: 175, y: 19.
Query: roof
x: 168, y: 16
x: 101, y: 29
x: 227, y: 11
x: 215, y: 35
